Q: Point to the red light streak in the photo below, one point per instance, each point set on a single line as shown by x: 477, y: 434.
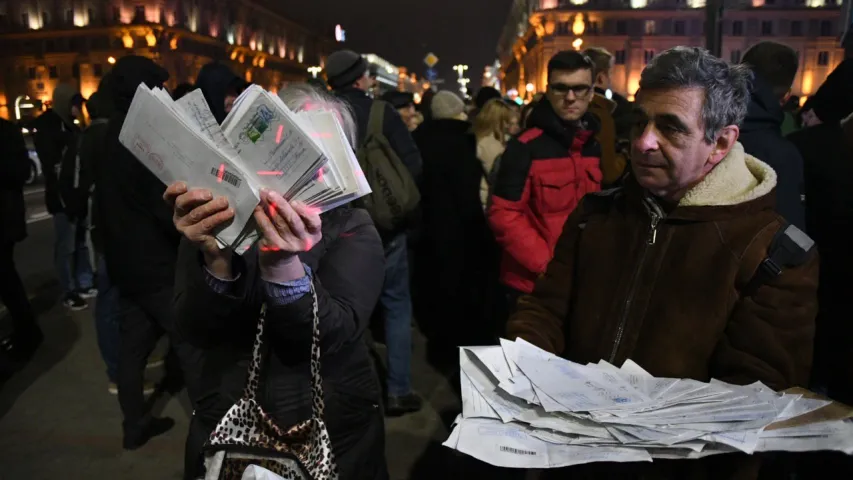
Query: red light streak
x: 278, y: 134
x: 221, y: 173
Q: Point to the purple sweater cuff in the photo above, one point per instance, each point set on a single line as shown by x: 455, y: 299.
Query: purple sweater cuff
x: 278, y: 294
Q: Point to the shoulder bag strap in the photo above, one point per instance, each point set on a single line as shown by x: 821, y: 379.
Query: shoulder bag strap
x: 377, y: 118
x: 251, y: 390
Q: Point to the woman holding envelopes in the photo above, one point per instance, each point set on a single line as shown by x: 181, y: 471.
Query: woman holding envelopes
x: 306, y: 266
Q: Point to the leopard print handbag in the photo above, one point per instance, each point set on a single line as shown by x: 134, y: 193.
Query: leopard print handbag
x: 247, y: 435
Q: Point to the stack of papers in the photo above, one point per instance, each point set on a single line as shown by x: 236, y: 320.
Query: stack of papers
x: 303, y: 155
x: 525, y: 408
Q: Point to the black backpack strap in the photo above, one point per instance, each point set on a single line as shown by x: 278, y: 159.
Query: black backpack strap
x: 790, y: 247
x: 376, y: 119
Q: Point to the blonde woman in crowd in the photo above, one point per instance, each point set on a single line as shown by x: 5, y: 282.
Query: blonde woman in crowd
x: 493, y: 126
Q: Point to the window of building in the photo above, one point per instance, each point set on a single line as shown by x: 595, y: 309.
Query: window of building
x: 593, y: 28
x: 75, y: 70
x: 90, y: 15
x: 116, y: 14
x: 40, y: 86
x: 53, y: 72
x: 563, y: 28
x: 139, y: 13
x: 69, y: 16
x: 797, y: 28
x: 651, y: 27
x: 770, y: 2
x: 619, y: 57
x: 621, y: 27
x: 767, y: 27
x: 679, y: 28
x: 826, y: 28
x: 648, y: 55
x: 737, y: 28
x: 823, y: 58
x: 735, y: 56
x: 31, y: 73
x: 98, y: 70
x: 25, y: 19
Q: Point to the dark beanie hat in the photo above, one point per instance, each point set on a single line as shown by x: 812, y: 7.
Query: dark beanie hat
x: 399, y: 99
x: 484, y: 95
x: 344, y: 67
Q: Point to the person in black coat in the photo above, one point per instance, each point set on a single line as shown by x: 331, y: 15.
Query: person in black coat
x: 220, y: 87
x: 775, y: 66
x: 218, y: 299
x: 14, y: 170
x: 140, y: 249
x: 457, y: 256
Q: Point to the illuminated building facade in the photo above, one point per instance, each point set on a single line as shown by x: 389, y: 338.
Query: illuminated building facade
x: 635, y: 30
x: 43, y: 42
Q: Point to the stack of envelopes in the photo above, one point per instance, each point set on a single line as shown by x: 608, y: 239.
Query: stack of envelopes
x: 303, y: 155
x: 525, y: 408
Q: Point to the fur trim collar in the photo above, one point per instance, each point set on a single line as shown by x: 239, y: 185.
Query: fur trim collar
x: 739, y: 178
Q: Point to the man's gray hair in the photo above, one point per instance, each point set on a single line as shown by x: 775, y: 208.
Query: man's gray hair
x: 726, y: 86
x: 304, y: 97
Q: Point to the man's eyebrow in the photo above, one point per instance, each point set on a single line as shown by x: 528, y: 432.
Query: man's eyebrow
x: 673, y: 120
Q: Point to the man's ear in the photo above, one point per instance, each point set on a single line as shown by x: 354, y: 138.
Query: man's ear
x: 726, y: 140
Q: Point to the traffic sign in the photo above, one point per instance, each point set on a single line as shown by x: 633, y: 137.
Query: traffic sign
x: 431, y: 74
x: 430, y: 60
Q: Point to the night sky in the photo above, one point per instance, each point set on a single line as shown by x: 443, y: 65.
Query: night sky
x: 404, y: 31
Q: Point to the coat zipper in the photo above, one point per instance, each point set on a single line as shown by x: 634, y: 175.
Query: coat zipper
x: 655, y: 216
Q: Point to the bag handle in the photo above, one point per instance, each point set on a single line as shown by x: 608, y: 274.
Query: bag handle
x: 376, y: 119
x: 318, y: 405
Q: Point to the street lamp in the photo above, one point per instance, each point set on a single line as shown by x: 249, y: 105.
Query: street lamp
x: 460, y: 69
x: 314, y: 70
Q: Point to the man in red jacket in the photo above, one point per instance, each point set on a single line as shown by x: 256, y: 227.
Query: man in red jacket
x: 545, y: 172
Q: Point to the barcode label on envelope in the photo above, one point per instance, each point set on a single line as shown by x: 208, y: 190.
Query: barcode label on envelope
x: 226, y: 176
x: 517, y: 451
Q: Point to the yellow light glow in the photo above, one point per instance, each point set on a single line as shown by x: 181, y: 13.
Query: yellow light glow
x: 757, y: 3
x: 252, y: 44
x: 417, y: 97
x: 803, y: 100
x: 578, y: 26
x: 530, y: 87
x: 127, y: 40
x: 249, y: 75
x: 152, y: 14
x: 254, y: 61
x: 213, y: 29
x: 631, y: 98
x: 173, y: 43
x: 151, y: 39
x: 577, y: 43
x: 262, y: 62
x: 696, y: 3
x: 170, y: 18
x: 242, y: 58
x: 125, y: 14
x: 234, y: 55
x: 634, y: 84
x: 111, y: 60
x: 81, y: 18
x: 808, y: 82
x: 260, y: 45
x: 815, y: 3
x: 578, y: 2
x: 639, y: 3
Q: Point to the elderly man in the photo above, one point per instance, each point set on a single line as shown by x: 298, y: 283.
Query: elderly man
x: 687, y: 269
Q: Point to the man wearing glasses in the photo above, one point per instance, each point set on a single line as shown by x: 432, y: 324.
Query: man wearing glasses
x: 544, y: 173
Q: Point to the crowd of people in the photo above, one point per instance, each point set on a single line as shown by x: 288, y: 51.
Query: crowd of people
x: 686, y: 230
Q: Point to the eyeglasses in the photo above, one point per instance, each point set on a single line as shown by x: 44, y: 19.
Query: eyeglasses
x: 563, y: 89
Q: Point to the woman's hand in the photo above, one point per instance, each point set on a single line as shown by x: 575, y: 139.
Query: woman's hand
x: 196, y: 214
x: 288, y: 228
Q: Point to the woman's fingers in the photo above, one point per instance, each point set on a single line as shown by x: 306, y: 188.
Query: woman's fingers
x: 173, y: 191
x: 203, y: 211
x: 310, y: 216
x: 209, y: 224
x: 193, y: 198
x: 283, y: 208
x: 269, y: 231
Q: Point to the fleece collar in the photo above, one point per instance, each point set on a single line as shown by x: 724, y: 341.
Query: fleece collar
x: 739, y: 178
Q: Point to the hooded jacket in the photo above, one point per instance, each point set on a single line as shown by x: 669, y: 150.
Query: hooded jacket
x: 543, y: 174
x: 761, y: 137
x: 666, y: 289
x: 140, y: 241
x: 56, y: 141
x: 215, y: 81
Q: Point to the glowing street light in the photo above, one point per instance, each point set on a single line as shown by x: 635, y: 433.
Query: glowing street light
x: 460, y: 69
x: 314, y: 70
x: 111, y: 60
x: 530, y: 87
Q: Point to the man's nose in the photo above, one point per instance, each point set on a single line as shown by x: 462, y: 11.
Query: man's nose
x: 647, y: 140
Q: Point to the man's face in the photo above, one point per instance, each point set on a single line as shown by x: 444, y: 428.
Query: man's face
x: 366, y: 82
x: 229, y: 102
x: 407, y: 113
x: 570, y: 93
x: 669, y: 153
